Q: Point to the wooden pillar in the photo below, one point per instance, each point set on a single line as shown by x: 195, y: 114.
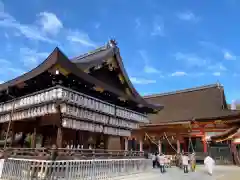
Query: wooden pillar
x: 141, y: 145
x: 159, y: 146
x: 12, y: 134
x: 178, y: 146
x: 59, y: 137
x: 33, y: 138
x: 126, y: 144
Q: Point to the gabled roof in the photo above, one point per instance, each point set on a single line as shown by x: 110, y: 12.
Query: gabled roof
x: 101, y: 55
x: 200, y: 103
x: 58, y: 58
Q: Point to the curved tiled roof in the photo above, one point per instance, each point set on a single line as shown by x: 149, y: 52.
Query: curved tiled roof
x: 57, y: 57
x: 102, y: 54
x: 200, y: 103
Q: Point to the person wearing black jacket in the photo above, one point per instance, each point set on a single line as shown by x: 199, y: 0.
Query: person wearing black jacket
x: 154, y: 160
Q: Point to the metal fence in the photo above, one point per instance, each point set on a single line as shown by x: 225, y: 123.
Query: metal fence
x: 24, y: 169
x: 222, y: 155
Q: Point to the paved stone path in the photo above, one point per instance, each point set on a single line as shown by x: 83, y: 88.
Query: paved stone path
x: 220, y: 173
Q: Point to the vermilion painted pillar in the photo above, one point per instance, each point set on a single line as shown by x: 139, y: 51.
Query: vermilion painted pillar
x: 204, y: 140
x: 204, y: 143
x: 204, y: 146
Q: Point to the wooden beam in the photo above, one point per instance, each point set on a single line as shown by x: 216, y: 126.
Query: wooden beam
x: 59, y: 137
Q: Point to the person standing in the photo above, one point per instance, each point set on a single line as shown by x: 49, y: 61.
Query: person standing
x: 161, y: 161
x: 209, y: 164
x: 193, y: 162
x: 154, y: 158
x: 185, y: 160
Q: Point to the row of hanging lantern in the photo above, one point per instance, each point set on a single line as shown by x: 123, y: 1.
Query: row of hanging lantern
x: 127, y: 114
x: 96, y: 117
x: 88, y: 102
x: 87, y: 126
x: 30, y: 113
x: 81, y: 125
x: 73, y: 97
x: 123, y: 123
x: 117, y: 131
x: 98, y: 105
x: 43, y: 97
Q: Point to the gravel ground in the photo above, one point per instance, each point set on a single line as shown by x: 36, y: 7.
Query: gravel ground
x: 220, y: 173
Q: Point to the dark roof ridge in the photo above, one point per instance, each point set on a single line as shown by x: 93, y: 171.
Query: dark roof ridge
x: 184, y: 90
x: 111, y: 43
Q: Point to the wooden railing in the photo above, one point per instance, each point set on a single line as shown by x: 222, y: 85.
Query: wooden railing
x: 63, y: 153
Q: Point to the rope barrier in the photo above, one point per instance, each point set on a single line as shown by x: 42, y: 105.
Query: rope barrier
x: 150, y: 139
x: 190, y: 144
x: 165, y: 137
x: 170, y: 142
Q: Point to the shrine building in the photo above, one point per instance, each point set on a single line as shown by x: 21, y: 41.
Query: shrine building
x: 87, y: 101
x: 196, y: 119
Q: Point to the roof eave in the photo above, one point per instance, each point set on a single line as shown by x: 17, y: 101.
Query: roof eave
x: 155, y: 108
x: 166, y: 123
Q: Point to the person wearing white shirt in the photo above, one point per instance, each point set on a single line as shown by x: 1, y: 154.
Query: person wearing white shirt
x: 185, y: 160
x: 161, y: 160
x: 209, y: 164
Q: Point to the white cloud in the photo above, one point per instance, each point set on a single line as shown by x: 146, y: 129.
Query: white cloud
x: 135, y: 80
x: 150, y: 70
x: 11, y: 72
x: 44, y: 27
x: 30, y: 31
x: 191, y: 59
x: 31, y: 58
x: 179, y: 73
x: 7, y: 67
x: 217, y: 73
x: 187, y: 16
x: 158, y: 27
x: 229, y: 56
x: 213, y: 47
x: 217, y: 67
x: 50, y: 23
x: 80, y: 38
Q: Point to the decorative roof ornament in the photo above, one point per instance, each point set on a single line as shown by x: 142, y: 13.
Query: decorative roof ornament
x: 219, y: 85
x: 112, y: 43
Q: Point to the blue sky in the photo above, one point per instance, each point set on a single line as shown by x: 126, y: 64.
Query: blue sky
x: 165, y: 45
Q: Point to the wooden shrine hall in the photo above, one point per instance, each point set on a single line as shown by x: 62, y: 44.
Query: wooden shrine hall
x: 192, y: 120
x: 86, y: 102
